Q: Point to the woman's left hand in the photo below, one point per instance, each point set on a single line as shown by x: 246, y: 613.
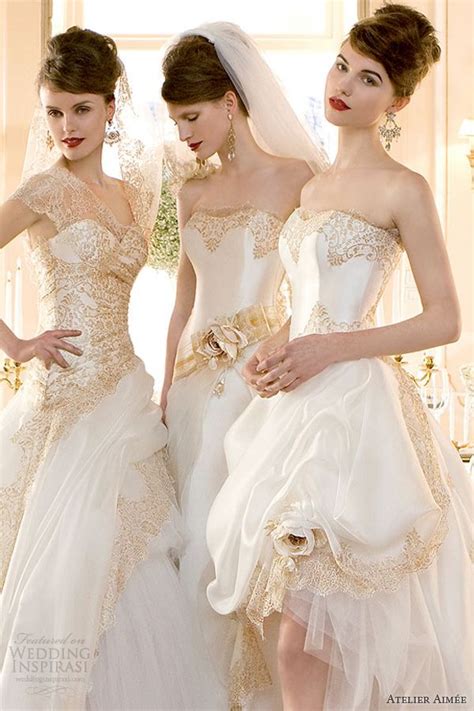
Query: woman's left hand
x: 295, y: 363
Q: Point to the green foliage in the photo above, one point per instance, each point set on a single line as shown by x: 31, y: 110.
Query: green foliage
x: 164, y: 242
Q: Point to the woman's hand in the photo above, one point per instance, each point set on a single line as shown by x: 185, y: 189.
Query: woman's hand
x: 164, y: 399
x: 298, y: 361
x: 249, y: 372
x: 47, y: 347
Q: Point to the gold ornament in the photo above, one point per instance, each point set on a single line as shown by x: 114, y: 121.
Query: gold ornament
x: 49, y: 141
x: 12, y: 371
x: 390, y: 130
x: 230, y: 140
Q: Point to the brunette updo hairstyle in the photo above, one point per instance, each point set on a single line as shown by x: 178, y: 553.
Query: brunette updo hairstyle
x: 402, y: 40
x: 81, y: 62
x: 194, y: 73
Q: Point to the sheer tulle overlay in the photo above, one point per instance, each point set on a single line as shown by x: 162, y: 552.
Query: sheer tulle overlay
x: 207, y: 397
x: 90, y: 597
x: 345, y: 506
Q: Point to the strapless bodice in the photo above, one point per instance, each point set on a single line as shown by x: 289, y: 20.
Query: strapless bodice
x: 338, y: 264
x: 234, y: 253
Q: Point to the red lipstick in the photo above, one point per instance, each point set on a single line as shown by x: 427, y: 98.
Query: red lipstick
x: 338, y: 104
x: 72, y: 142
x: 194, y: 146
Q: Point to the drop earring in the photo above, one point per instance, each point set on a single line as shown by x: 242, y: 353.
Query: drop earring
x: 49, y: 141
x: 230, y: 140
x: 112, y: 135
x: 390, y: 130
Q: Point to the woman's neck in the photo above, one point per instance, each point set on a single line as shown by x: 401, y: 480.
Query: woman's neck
x: 88, y: 169
x: 247, y: 151
x: 359, y: 148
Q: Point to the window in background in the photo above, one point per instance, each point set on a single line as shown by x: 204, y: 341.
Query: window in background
x: 299, y: 40
x: 147, y: 17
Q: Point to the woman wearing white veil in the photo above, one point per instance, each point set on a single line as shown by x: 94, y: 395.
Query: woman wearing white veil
x: 92, y: 611
x: 224, y: 100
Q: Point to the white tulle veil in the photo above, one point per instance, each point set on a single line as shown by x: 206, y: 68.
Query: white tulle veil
x: 136, y: 158
x: 273, y: 122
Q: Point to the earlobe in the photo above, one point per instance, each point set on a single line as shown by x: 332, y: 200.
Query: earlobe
x: 399, y: 104
x: 230, y: 101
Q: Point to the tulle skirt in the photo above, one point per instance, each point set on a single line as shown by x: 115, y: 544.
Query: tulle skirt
x: 198, y: 420
x: 347, y: 509
x: 92, y: 612
x: 154, y: 656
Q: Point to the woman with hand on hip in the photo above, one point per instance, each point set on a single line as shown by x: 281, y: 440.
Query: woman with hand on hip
x: 346, y: 508
x: 224, y: 100
x: 93, y: 615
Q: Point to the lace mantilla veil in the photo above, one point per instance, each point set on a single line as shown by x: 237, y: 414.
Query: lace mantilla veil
x: 274, y: 124
x: 136, y: 158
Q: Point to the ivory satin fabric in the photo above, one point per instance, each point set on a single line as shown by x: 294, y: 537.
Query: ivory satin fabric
x: 234, y: 252
x: 93, y: 615
x: 385, y: 594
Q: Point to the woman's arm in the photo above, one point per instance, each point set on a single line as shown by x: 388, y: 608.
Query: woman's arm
x: 439, y: 322
x: 184, y: 301
x: 47, y: 346
x: 15, y: 217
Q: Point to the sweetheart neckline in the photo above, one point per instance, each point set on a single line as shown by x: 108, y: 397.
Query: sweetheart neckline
x: 227, y: 211
x: 101, y: 204
x: 350, y: 213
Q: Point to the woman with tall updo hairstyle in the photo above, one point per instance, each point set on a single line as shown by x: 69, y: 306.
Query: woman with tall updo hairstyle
x: 92, y: 611
x: 227, y: 107
x: 345, y: 514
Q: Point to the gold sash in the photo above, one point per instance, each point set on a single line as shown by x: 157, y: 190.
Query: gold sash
x: 223, y: 342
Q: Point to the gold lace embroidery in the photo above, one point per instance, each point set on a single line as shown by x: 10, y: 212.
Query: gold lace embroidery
x: 348, y: 235
x: 325, y: 572
x: 249, y: 672
x: 320, y: 321
x: 67, y: 200
x: 214, y: 224
x: 89, y: 292
x: 296, y: 230
x: 139, y: 520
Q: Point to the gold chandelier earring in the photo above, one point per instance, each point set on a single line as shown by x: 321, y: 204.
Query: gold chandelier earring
x: 49, y: 141
x: 230, y: 140
x: 390, y: 130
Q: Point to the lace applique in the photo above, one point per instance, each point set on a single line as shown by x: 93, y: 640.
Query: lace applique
x: 138, y: 522
x: 348, y: 235
x: 66, y: 200
x: 43, y: 194
x: 249, y: 672
x: 214, y: 224
x: 320, y: 321
x: 296, y: 230
x: 85, y: 276
x: 325, y: 572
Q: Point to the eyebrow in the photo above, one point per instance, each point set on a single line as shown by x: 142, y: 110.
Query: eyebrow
x: 363, y: 71
x: 184, y: 114
x: 80, y: 103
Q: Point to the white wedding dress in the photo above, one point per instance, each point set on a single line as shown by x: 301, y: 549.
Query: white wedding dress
x: 345, y: 505
x: 234, y: 252
x: 93, y: 615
